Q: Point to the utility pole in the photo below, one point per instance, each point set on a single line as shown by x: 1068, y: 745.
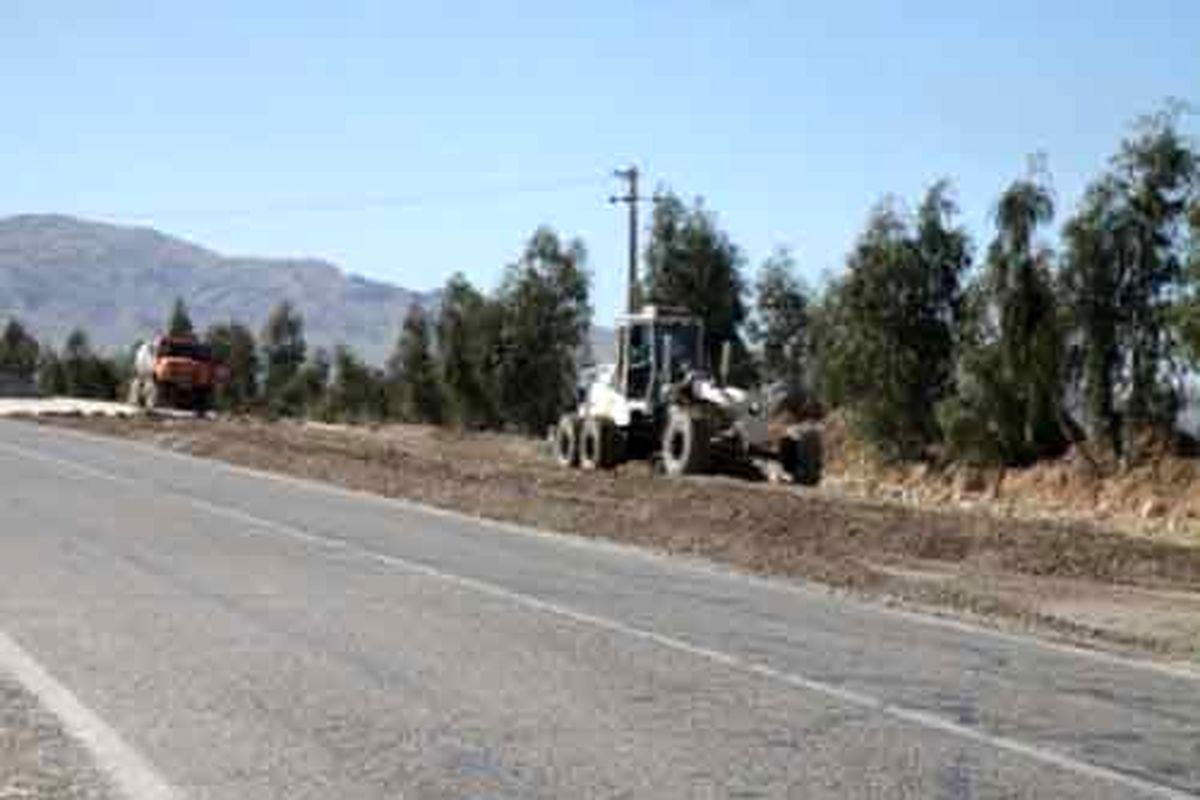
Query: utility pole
x: 632, y: 199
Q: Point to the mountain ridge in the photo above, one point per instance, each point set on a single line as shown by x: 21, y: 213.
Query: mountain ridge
x: 117, y: 282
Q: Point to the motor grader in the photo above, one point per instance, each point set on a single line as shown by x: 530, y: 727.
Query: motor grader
x: 660, y: 401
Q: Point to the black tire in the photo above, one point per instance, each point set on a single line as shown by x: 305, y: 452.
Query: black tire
x: 598, y: 444
x: 152, y: 394
x: 802, y: 456
x: 685, y: 443
x: 566, y: 441
x: 202, y: 402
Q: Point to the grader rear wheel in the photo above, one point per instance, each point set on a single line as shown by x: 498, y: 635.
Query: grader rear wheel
x: 598, y: 444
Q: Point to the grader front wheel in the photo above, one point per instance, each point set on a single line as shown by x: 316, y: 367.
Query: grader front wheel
x: 685, y: 444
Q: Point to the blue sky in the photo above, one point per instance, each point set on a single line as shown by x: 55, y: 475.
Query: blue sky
x: 408, y: 140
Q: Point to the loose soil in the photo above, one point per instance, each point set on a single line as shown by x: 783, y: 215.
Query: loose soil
x: 1157, y: 498
x: 1067, y: 579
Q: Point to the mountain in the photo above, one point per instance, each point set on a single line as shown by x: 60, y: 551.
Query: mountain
x: 118, y: 284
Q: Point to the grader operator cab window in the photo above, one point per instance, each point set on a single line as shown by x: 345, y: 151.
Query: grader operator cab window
x: 640, y: 359
x: 650, y: 349
x: 678, y: 350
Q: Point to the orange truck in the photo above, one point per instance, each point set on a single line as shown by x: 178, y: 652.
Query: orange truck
x: 175, y: 372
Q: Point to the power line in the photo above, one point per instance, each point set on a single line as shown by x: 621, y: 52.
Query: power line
x: 369, y: 203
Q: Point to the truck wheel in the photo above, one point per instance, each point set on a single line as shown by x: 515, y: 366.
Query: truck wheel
x: 201, y: 402
x: 135, y: 393
x: 566, y: 441
x: 598, y: 443
x: 685, y: 443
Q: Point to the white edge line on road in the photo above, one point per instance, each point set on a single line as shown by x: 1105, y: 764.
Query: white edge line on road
x: 838, y: 693
x: 131, y: 774
x: 696, y: 564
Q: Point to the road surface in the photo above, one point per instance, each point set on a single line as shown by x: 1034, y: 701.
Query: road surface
x: 215, y: 633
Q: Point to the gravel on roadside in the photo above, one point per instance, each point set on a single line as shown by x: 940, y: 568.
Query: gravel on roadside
x: 38, y: 760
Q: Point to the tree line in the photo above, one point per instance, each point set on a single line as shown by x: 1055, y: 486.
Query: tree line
x: 502, y: 359
x: 929, y: 348
x: 1033, y: 349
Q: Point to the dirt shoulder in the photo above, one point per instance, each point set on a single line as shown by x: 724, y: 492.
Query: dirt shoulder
x: 1064, y: 579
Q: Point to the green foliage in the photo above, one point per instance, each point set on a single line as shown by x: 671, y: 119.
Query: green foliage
x: 233, y: 346
x: 468, y: 331
x: 545, y: 314
x: 886, y: 330
x: 1126, y: 280
x: 780, y: 326
x: 1186, y: 316
x: 84, y: 373
x: 180, y: 322
x: 1097, y: 240
x: 416, y: 391
x: 1009, y: 404
x: 18, y: 351
x: 693, y: 265
x: 1159, y: 169
x: 358, y: 392
x: 51, y: 377
x: 978, y: 422
x: 305, y: 393
x: 283, y: 352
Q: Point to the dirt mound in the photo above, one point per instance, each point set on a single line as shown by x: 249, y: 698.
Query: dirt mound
x: 1158, y: 497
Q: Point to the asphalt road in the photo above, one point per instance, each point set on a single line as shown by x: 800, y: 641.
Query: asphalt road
x: 38, y: 760
x: 250, y: 637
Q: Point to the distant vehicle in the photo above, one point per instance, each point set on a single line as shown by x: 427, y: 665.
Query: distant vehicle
x: 175, y: 372
x: 660, y: 402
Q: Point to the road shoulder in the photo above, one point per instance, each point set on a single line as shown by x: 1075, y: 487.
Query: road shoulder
x: 37, y: 757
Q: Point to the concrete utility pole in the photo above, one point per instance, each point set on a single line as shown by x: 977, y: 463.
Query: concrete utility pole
x: 631, y: 199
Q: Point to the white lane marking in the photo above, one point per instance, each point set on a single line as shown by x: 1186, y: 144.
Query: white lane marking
x: 131, y: 774
x: 851, y: 697
x: 674, y: 561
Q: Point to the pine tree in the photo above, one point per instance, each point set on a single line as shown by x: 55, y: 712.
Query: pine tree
x: 692, y: 264
x: 545, y: 314
x: 180, y: 322
x: 468, y: 326
x: 416, y: 391
x: 887, y: 329
x: 356, y: 393
x: 1127, y: 283
x: 780, y: 326
x: 18, y: 351
x: 283, y: 353
x: 233, y: 346
x: 1009, y: 407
